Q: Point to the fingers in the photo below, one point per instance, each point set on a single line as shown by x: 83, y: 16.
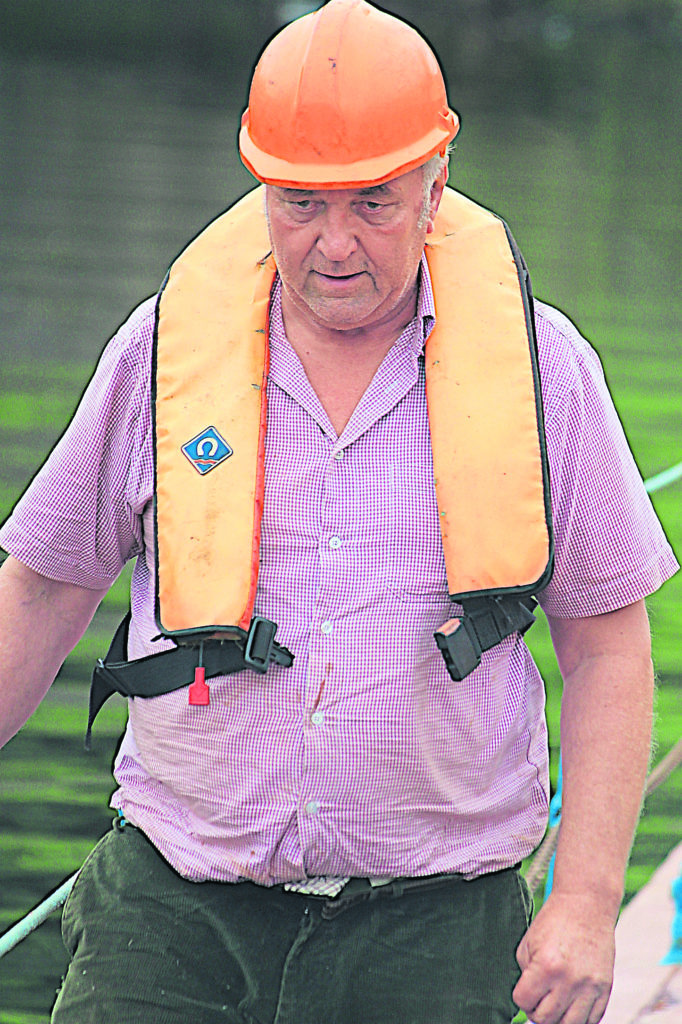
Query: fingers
x: 551, y: 1010
x: 566, y: 960
x: 548, y: 1003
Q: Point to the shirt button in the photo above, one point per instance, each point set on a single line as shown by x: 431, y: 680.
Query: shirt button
x: 327, y: 627
x: 317, y: 718
x: 339, y: 455
x: 312, y: 807
x: 335, y: 542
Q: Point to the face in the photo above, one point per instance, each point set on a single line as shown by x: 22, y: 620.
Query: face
x: 349, y: 258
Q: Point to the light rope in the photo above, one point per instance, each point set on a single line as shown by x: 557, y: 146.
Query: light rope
x: 540, y: 863
x: 22, y: 929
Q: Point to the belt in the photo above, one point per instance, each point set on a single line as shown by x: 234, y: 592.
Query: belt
x: 360, y: 889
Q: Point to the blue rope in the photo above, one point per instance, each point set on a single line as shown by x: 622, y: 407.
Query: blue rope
x: 554, y: 819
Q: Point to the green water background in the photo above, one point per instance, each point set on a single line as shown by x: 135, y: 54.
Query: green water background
x: 117, y: 131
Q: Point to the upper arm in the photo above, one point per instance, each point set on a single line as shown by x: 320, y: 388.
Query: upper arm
x: 41, y: 620
x: 610, y: 549
x: 623, y: 633
x: 42, y: 614
x: 80, y: 519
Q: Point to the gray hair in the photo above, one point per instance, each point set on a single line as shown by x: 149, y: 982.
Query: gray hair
x: 431, y: 171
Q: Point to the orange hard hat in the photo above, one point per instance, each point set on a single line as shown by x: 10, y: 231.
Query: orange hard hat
x: 344, y: 97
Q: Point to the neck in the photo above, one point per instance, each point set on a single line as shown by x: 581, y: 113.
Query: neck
x: 340, y: 364
x: 308, y: 334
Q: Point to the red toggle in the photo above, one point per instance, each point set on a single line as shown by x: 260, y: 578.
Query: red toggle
x: 198, y: 691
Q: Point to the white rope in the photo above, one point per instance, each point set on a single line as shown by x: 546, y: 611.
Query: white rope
x: 668, y: 476
x: 28, y: 924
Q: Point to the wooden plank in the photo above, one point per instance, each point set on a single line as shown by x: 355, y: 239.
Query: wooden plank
x: 644, y: 990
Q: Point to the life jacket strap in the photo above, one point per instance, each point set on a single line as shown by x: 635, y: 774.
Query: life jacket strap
x: 485, y: 622
x: 167, y: 671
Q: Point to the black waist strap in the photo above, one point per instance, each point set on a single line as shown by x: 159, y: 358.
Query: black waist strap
x: 170, y: 670
x: 485, y: 622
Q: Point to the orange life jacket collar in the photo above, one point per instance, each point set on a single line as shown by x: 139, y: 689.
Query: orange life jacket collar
x: 210, y: 371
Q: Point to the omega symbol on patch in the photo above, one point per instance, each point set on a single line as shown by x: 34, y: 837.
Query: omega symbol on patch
x: 207, y: 450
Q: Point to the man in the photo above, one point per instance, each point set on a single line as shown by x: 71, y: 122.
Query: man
x: 330, y: 830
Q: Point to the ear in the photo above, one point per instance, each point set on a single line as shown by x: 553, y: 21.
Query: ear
x: 435, y: 198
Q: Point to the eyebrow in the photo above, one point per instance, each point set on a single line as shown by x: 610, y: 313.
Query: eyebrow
x: 369, y: 190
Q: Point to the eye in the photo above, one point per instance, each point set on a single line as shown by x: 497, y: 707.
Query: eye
x: 375, y: 210
x: 303, y: 209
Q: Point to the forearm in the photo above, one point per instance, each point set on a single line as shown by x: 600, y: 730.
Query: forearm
x: 567, y: 955
x: 605, y: 741
x: 606, y: 725
x: 41, y: 620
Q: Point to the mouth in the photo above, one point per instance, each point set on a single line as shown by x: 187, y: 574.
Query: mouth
x: 338, y: 284
x: 338, y: 277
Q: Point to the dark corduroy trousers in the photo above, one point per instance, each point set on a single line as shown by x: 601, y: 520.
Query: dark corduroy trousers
x: 149, y: 947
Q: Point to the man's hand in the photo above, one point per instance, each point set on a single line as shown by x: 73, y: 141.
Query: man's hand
x: 566, y: 958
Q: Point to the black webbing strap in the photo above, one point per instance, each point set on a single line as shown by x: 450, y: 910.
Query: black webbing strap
x: 485, y: 622
x: 170, y: 670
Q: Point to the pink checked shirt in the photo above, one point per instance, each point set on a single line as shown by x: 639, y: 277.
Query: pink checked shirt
x: 364, y: 758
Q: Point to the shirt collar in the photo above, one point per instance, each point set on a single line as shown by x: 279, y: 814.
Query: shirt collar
x: 426, y: 305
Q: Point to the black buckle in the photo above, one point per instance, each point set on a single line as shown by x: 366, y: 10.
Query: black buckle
x: 460, y: 648
x: 485, y: 622
x: 258, y: 649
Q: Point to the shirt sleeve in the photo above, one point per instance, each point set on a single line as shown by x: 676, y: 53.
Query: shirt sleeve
x: 79, y: 521
x: 610, y: 549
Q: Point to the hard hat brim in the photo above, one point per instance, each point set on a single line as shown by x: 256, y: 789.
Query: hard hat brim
x: 272, y: 170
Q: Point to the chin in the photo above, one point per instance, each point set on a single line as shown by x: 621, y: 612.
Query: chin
x: 338, y: 320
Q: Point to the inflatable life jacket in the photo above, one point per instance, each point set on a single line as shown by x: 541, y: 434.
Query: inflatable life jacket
x: 210, y: 411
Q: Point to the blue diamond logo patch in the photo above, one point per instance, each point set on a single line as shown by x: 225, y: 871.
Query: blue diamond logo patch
x: 207, y: 450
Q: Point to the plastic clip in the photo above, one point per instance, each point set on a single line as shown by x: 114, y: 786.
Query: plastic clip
x: 458, y: 643
x: 258, y: 649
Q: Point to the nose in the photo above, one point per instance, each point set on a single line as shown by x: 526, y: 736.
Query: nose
x: 336, y: 240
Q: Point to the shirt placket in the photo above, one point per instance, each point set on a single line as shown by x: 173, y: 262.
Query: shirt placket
x: 325, y: 656
x: 328, y: 679
x: 328, y: 639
